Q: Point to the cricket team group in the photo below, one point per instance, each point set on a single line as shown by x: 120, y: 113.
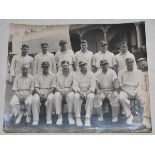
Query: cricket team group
x: 76, y: 78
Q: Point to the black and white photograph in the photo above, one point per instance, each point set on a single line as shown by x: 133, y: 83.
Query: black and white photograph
x: 77, y: 78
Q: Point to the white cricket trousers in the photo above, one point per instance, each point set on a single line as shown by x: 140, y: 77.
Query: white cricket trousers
x: 36, y: 107
x: 88, y: 107
x: 58, y: 102
x: 112, y: 96
x: 15, y: 104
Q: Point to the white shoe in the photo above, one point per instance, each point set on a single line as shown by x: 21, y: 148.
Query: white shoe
x: 35, y: 123
x: 100, y: 118
x: 19, y: 117
x: 115, y: 119
x: 49, y: 122
x: 28, y: 119
x: 129, y: 119
x: 78, y: 122
x: 71, y: 121
x: 87, y: 122
x: 147, y: 122
x: 59, y: 121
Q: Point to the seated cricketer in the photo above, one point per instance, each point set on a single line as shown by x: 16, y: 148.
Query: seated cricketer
x: 45, y: 84
x: 64, y: 91
x: 23, y: 87
x: 130, y: 87
x: 107, y: 85
x: 84, y: 86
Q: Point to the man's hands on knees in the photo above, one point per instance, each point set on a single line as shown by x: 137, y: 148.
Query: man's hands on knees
x: 20, y: 97
x: 85, y: 94
x: 117, y: 90
x: 82, y: 94
x: 66, y: 91
x: 88, y: 92
x: 97, y: 92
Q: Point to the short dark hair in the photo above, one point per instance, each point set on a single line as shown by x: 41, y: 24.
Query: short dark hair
x: 63, y: 62
x: 42, y: 44
x: 62, y: 42
x: 24, y: 45
x: 45, y: 64
x: 103, y: 43
x: 83, y: 42
x: 124, y: 43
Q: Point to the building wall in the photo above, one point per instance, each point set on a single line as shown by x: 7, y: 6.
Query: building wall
x: 34, y: 36
x: 115, y: 36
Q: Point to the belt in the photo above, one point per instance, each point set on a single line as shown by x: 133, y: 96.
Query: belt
x: 130, y: 86
x: 23, y: 89
x: 107, y: 89
x: 44, y: 88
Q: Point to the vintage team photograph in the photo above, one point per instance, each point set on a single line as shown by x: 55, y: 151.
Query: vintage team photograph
x: 77, y: 78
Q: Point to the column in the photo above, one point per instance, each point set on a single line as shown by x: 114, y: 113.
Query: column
x: 81, y: 34
x: 105, y: 30
x: 139, y: 35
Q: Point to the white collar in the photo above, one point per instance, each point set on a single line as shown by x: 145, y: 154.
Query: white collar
x: 45, y: 54
x: 107, y: 52
x: 125, y: 53
x: 24, y: 77
x: 24, y: 56
x: 84, y: 52
x: 64, y: 51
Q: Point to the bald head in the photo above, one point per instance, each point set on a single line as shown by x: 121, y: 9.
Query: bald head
x: 25, y: 69
x: 25, y: 66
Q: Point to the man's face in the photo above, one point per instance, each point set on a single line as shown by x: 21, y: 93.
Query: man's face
x: 63, y: 47
x: 129, y: 65
x: 44, y: 48
x: 65, y: 67
x: 83, y: 67
x: 45, y: 70
x: 25, y: 70
x: 84, y: 46
x: 141, y: 64
x: 124, y: 48
x: 25, y: 51
x: 104, y: 67
x: 103, y: 47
